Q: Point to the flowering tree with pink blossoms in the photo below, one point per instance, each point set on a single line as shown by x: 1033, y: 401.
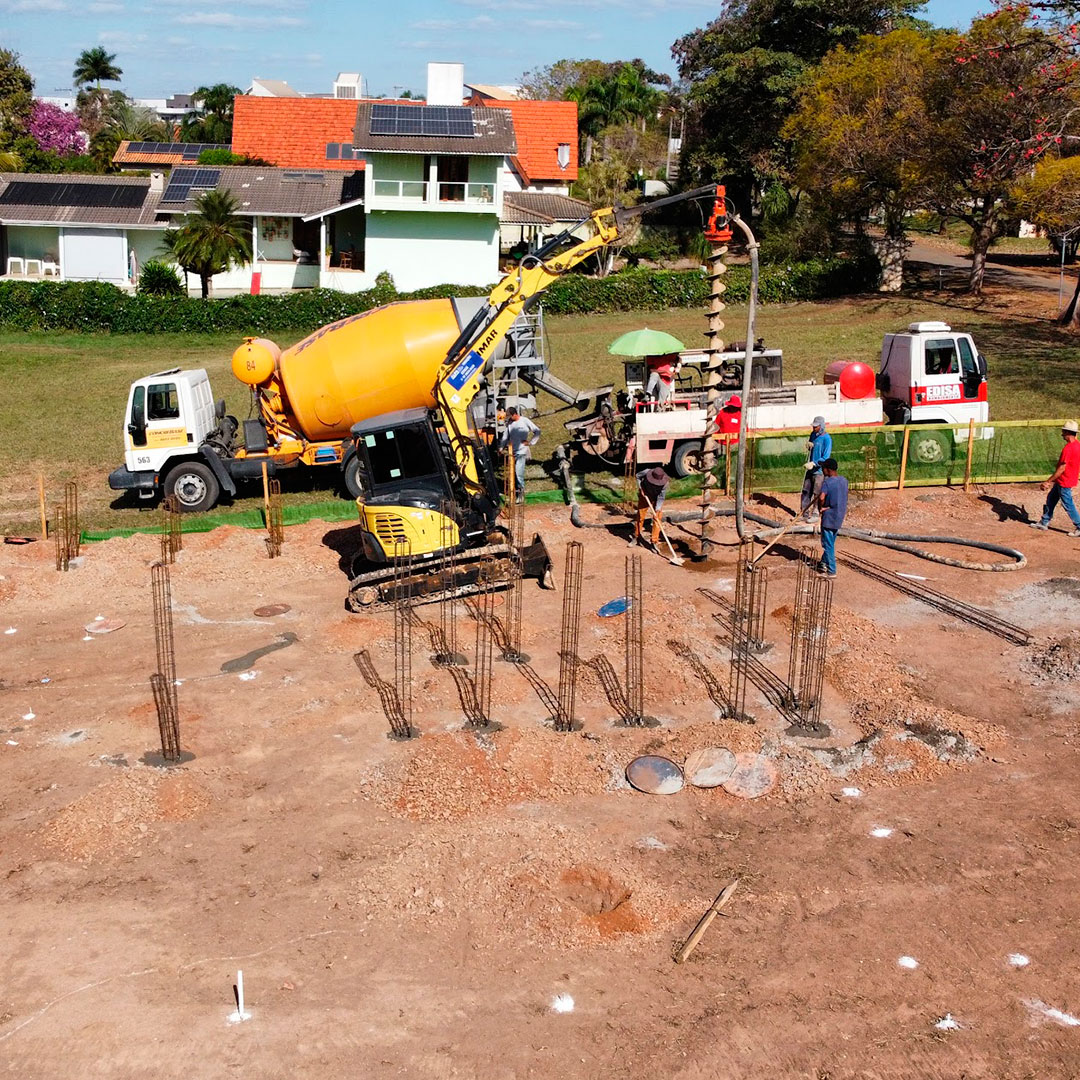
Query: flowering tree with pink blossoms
x: 54, y: 129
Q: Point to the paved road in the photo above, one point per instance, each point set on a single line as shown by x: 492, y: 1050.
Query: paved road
x: 956, y: 268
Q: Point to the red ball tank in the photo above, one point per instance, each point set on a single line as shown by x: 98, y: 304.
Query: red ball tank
x: 856, y: 378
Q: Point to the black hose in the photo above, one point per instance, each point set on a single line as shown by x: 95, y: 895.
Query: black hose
x: 896, y: 541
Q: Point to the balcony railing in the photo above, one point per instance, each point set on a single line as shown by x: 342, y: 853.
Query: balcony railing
x: 470, y: 193
x: 401, y: 189
x: 419, y: 191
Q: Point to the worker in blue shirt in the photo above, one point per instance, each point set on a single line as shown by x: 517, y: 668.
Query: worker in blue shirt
x: 819, y: 447
x: 833, y: 503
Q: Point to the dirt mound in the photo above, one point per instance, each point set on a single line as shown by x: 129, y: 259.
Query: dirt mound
x: 116, y: 814
x: 1058, y: 660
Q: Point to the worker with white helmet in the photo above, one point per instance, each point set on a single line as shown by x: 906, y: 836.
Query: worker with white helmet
x: 819, y: 449
x: 1062, y: 480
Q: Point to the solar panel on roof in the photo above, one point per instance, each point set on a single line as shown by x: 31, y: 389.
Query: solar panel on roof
x: 430, y: 120
x: 60, y: 193
x: 183, y: 180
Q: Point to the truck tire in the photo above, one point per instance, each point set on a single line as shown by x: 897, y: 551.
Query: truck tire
x: 686, y: 461
x: 351, y: 477
x: 194, y: 485
x: 929, y: 447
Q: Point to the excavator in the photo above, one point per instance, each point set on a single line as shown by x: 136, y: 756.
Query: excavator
x: 429, y: 492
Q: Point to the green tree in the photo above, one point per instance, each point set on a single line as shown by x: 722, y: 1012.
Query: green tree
x: 622, y: 97
x: 16, y: 98
x: 741, y: 74
x: 212, y: 239
x: 860, y: 133
x: 211, y: 117
x: 1050, y: 198
x: 95, y: 66
x: 999, y: 98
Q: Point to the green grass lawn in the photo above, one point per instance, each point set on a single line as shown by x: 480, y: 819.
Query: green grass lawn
x: 63, y: 398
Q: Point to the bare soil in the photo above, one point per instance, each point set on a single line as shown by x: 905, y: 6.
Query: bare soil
x: 414, y: 908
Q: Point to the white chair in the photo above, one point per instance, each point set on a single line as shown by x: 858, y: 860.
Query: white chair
x: 12, y: 260
x: 48, y: 267
x: 33, y: 262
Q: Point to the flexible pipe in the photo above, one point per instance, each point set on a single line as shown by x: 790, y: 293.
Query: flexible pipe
x: 748, y: 364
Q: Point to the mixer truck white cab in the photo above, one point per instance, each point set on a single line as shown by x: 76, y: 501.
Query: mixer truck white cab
x: 928, y: 374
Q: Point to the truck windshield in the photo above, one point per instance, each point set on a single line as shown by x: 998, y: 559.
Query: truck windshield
x: 941, y: 358
x: 399, y: 454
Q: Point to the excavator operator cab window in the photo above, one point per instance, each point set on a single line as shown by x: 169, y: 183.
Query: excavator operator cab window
x: 399, y: 454
x: 162, y: 402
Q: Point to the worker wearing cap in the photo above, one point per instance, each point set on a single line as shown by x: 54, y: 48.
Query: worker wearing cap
x: 652, y: 488
x: 520, y: 434
x: 1061, y: 482
x: 727, y: 419
x: 833, y: 503
x: 819, y: 448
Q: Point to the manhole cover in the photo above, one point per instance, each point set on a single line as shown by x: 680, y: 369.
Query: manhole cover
x: 709, y: 767
x: 755, y: 775
x: 655, y: 775
x: 104, y: 626
x: 268, y: 611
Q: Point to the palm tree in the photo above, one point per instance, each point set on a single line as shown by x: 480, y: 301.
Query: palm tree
x: 96, y: 66
x: 9, y: 161
x: 609, y: 100
x: 211, y: 117
x: 212, y: 239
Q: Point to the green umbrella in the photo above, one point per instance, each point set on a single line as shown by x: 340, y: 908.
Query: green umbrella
x: 645, y: 343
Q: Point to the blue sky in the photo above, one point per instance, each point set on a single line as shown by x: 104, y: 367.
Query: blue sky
x: 175, y: 47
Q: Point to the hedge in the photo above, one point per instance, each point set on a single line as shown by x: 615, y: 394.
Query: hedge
x: 93, y: 306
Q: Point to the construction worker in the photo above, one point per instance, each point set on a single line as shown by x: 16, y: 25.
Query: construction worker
x: 520, y: 434
x: 818, y: 448
x: 833, y: 503
x: 652, y: 488
x: 1061, y: 482
x: 662, y: 373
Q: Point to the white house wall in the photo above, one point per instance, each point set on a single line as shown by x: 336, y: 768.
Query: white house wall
x: 94, y: 255
x: 428, y: 248
x: 147, y: 245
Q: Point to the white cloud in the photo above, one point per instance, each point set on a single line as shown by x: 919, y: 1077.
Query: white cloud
x: 16, y: 7
x: 121, y: 39
x: 551, y: 24
x: 479, y: 22
x: 104, y: 7
x: 228, y: 21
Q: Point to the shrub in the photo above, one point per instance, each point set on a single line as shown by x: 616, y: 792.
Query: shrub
x: 94, y: 306
x: 159, y: 278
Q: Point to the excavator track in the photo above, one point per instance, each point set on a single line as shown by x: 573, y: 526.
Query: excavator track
x: 482, y: 569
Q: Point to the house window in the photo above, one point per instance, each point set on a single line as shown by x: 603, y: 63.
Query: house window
x: 452, y: 174
x: 564, y: 155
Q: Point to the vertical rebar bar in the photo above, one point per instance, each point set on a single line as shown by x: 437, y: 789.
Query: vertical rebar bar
x: 865, y: 490
x: 635, y: 646
x: 60, y: 536
x: 446, y: 643
x: 172, y: 542
x: 71, y: 507
x: 629, y: 487
x: 515, y: 524
x: 568, y: 642
x: 485, y: 610
x: 163, y: 680
x: 403, y: 624
x: 275, y: 528
x: 809, y: 641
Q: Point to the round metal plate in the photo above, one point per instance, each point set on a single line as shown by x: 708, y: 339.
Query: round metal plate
x: 270, y: 610
x: 755, y: 775
x: 709, y: 767
x: 614, y: 607
x: 104, y: 626
x: 655, y: 775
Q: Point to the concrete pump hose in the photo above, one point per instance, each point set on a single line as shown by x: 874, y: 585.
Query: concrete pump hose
x: 896, y: 541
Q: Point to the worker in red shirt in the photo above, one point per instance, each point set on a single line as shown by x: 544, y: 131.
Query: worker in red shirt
x: 662, y: 373
x: 1061, y: 482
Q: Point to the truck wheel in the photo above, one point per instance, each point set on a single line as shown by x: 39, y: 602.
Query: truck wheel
x: 351, y: 475
x: 194, y: 485
x: 929, y: 447
x: 686, y: 461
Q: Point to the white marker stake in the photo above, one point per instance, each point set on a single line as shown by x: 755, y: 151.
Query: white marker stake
x: 240, y: 1014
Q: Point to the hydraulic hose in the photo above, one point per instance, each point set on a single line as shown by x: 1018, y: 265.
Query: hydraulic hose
x: 748, y: 364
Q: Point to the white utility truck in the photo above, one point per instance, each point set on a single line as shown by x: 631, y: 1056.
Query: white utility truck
x: 928, y: 374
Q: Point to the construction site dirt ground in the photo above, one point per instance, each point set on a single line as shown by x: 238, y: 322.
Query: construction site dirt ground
x: 907, y: 900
